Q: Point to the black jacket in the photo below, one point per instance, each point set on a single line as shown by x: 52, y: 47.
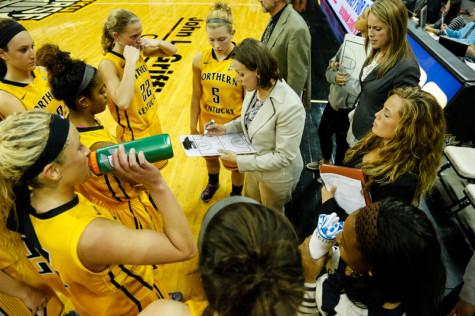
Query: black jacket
x: 374, y: 92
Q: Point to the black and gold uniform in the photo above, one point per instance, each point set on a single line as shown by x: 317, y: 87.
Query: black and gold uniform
x: 141, y: 117
x: 35, y: 95
x: 118, y: 290
x: 128, y: 205
x: 221, y: 92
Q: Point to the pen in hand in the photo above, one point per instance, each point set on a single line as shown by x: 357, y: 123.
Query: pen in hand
x: 208, y: 125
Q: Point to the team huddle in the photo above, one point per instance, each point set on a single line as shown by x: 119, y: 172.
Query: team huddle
x: 73, y: 242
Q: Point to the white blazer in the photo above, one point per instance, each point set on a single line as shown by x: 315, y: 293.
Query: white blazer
x: 275, y: 133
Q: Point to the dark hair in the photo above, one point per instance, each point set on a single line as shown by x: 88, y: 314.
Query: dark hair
x: 65, y: 74
x: 400, y: 243
x: 256, y: 56
x: 250, y: 263
x: 3, y: 66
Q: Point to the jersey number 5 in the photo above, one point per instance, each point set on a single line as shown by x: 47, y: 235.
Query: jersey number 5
x: 215, y: 93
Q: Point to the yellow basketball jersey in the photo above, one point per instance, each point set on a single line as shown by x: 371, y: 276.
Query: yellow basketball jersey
x: 221, y: 93
x: 118, y: 290
x: 141, y: 117
x: 23, y: 270
x: 129, y: 206
x: 35, y: 95
x: 196, y: 308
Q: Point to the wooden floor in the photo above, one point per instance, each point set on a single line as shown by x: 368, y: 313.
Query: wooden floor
x: 182, y: 22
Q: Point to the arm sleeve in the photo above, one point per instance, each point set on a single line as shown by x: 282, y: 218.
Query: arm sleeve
x: 331, y: 74
x: 468, y: 289
x: 352, y: 86
x: 234, y: 126
x: 288, y: 129
x: 298, y: 56
x: 409, y: 74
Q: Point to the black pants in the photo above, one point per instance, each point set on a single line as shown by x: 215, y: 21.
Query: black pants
x: 334, y: 122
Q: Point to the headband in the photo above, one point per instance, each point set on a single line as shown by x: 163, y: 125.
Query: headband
x: 217, y: 20
x: 87, y: 76
x: 58, y: 134
x: 9, y: 31
x: 215, y: 209
x: 19, y: 220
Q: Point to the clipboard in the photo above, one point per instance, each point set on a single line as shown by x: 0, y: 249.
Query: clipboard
x: 349, y: 173
x: 208, y: 146
x: 353, y: 55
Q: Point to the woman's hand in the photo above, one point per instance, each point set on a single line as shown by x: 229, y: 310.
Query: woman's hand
x: 228, y: 156
x: 334, y: 65
x: 136, y: 167
x: 311, y: 267
x: 326, y: 195
x: 131, y: 54
x: 341, y: 78
x: 148, y: 42
x: 35, y: 299
x: 213, y: 129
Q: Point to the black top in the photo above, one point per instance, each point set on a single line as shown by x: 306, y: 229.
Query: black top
x: 333, y: 288
x: 375, y: 91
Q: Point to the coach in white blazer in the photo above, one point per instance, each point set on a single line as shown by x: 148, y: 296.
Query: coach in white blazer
x: 272, y: 119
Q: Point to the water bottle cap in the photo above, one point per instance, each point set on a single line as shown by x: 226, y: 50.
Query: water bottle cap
x: 93, y: 163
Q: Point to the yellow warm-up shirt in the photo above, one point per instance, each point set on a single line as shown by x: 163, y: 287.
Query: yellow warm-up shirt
x: 141, y: 117
x: 118, y: 290
x: 35, y: 95
x: 221, y: 93
x: 129, y: 206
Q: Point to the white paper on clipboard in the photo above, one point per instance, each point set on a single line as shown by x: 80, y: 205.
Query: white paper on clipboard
x: 202, y: 145
x: 353, y: 55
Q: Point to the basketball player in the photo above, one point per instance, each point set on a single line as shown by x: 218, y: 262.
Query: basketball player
x: 82, y: 89
x: 23, y: 85
x: 105, y: 267
x: 132, y: 100
x: 217, y: 95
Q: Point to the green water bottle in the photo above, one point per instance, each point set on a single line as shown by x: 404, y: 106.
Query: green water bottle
x: 155, y: 148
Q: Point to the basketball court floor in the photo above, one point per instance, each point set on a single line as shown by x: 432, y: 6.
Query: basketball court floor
x: 76, y: 26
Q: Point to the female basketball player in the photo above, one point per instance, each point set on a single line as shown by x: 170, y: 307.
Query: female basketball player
x: 104, y: 266
x: 23, y: 85
x: 132, y: 100
x: 82, y: 89
x: 217, y: 95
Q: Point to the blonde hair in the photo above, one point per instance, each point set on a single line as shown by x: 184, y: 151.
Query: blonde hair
x: 117, y: 21
x: 416, y: 147
x: 23, y: 137
x: 393, y: 14
x: 220, y: 15
x: 361, y: 24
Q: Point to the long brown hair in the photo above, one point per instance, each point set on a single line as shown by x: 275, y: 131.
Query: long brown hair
x: 393, y: 14
x: 416, y: 147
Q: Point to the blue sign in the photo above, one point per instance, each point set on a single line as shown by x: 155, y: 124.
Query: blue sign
x: 436, y: 73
